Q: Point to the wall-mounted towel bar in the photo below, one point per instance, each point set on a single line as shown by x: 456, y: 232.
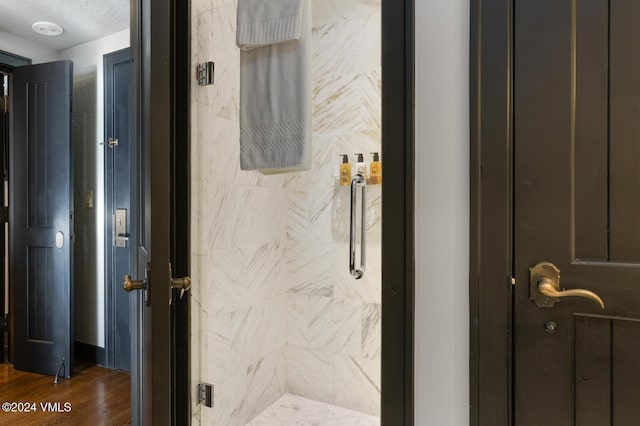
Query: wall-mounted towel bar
x: 358, y: 181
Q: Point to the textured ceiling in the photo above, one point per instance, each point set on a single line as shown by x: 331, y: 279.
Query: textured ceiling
x: 82, y: 20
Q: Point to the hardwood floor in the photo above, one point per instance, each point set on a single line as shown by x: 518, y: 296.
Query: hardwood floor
x: 96, y: 396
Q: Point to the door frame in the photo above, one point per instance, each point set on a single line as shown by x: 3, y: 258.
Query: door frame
x: 491, y: 213
x: 8, y: 61
x: 180, y: 253
x: 398, y: 206
x: 398, y: 283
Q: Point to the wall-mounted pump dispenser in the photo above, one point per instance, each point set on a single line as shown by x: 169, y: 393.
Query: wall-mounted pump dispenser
x: 361, y: 168
x: 345, y: 171
x: 375, y: 170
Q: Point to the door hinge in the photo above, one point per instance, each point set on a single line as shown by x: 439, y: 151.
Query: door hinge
x: 5, y: 323
x: 513, y: 281
x: 205, y: 394
x: 204, y: 73
x: 5, y: 214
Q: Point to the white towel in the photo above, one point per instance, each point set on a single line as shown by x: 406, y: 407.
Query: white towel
x: 275, y: 89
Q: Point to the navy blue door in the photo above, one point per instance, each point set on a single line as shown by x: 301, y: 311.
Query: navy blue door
x: 120, y: 225
x: 4, y: 141
x: 41, y: 217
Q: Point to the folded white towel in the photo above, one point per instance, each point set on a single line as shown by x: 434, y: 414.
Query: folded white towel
x: 275, y: 89
x: 264, y: 22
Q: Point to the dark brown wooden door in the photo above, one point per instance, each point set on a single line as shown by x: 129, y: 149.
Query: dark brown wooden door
x: 577, y: 205
x: 150, y: 194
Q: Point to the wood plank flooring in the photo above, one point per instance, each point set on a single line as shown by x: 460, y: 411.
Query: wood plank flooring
x: 97, y: 397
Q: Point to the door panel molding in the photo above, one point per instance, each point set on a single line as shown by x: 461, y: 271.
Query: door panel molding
x: 491, y: 171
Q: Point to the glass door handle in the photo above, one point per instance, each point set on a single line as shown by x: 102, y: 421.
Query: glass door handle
x: 358, y: 181
x: 545, y: 290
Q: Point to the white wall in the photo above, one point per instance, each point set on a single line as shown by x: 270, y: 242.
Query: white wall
x: 89, y: 176
x: 442, y: 213
x: 28, y: 49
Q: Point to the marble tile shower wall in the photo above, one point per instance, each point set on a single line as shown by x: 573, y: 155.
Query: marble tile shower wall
x: 274, y: 309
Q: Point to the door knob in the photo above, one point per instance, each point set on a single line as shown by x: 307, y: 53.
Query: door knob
x: 545, y: 287
x: 128, y: 284
x: 183, y: 284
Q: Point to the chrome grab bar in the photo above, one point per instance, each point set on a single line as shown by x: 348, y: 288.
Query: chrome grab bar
x: 358, y: 180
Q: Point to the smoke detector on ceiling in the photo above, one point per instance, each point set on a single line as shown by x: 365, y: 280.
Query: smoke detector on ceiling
x: 47, y: 28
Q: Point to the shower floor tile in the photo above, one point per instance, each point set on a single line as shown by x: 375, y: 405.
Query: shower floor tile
x: 292, y: 410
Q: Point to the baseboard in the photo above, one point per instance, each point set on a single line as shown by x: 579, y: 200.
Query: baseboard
x: 89, y: 353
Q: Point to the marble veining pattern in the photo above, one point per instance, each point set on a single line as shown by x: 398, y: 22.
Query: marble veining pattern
x: 358, y: 97
x: 357, y: 383
x: 243, y: 216
x: 243, y: 276
x: 312, y: 268
x: 291, y: 410
x: 350, y: 36
x: 371, y: 331
x: 310, y: 372
x: 328, y: 11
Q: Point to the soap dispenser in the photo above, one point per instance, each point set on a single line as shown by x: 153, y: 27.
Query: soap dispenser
x: 361, y: 169
x: 375, y: 170
x: 345, y: 171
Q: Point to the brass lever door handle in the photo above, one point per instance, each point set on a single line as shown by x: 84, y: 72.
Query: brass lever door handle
x: 545, y: 290
x: 182, y: 284
x: 546, y: 287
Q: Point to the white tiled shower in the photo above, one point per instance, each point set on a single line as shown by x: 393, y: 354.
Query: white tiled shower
x: 274, y: 309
